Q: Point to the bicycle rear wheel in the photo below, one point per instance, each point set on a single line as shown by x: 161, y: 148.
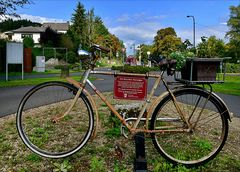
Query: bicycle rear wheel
x: 40, y: 133
x: 208, y: 136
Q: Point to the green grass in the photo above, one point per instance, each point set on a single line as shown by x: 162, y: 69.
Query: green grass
x: 230, y: 86
x: 100, y: 155
x: 34, y: 81
x: 52, y: 71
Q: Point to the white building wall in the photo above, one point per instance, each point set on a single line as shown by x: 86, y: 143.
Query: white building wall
x: 36, y: 38
x: 18, y: 37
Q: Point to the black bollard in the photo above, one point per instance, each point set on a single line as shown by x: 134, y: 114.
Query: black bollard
x: 140, y: 163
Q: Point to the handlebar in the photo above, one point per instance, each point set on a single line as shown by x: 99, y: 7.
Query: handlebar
x: 165, y: 64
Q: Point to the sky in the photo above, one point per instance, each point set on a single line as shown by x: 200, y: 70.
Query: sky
x: 137, y: 21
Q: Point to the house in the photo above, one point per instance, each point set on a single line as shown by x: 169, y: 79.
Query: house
x: 35, y: 32
x: 19, y: 34
x: 58, y: 27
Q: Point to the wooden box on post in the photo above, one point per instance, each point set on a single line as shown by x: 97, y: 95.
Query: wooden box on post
x: 201, y: 69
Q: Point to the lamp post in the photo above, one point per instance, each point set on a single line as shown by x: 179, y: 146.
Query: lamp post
x: 193, y: 30
x: 133, y: 47
x: 149, y: 62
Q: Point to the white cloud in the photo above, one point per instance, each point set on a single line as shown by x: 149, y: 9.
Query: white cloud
x: 142, y: 33
x: 123, y: 18
x: 223, y: 23
x: 218, y: 31
x: 38, y: 19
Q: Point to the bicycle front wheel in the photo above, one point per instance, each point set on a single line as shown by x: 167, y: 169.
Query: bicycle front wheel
x: 209, y: 132
x: 36, y: 125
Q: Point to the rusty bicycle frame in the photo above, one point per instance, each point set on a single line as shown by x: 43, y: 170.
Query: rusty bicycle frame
x: 133, y: 129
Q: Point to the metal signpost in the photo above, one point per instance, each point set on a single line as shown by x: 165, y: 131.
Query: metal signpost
x: 14, y: 55
x: 129, y: 87
x: 133, y: 88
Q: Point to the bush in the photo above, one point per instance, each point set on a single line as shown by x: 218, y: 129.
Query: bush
x: 232, y: 68
x: 134, y: 69
x: 28, y: 42
x: 181, y: 58
x: 71, y: 57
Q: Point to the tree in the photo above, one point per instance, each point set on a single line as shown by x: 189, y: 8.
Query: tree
x: 9, y: 7
x: 11, y: 24
x: 166, y: 42
x: 234, y: 23
x: 65, y: 41
x: 216, y: 47
x: 88, y: 28
x: 234, y: 33
x: 211, y: 47
x: 202, y: 47
x: 50, y: 38
x: 78, y: 30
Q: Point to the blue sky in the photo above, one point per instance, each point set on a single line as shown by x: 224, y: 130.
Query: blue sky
x: 137, y: 21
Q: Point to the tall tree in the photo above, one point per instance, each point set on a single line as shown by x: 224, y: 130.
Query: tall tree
x: 216, y: 47
x: 9, y: 7
x: 166, y: 42
x: 202, y: 47
x: 90, y: 25
x: 234, y: 32
x: 211, y: 47
x: 78, y: 29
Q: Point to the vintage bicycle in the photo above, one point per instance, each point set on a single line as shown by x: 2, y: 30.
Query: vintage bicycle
x: 188, y: 124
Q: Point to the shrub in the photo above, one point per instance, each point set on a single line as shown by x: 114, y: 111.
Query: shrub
x: 71, y: 57
x: 232, y: 68
x: 181, y: 58
x: 134, y: 69
x: 28, y: 42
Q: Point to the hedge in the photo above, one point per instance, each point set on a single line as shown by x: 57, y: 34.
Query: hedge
x: 232, y: 68
x: 134, y: 69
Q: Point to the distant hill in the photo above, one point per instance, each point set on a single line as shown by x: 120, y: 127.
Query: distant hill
x: 11, y: 24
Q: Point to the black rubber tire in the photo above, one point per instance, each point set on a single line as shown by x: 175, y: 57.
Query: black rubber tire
x: 214, y: 108
x: 42, y: 97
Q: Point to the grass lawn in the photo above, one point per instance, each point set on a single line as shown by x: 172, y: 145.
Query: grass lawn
x: 99, y: 154
x: 34, y: 81
x: 230, y: 86
x: 52, y: 71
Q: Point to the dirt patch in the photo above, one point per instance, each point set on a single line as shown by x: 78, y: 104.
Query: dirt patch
x: 100, y: 154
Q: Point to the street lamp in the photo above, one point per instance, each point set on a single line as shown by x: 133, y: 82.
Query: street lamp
x: 149, y: 62
x: 193, y: 30
x: 133, y: 47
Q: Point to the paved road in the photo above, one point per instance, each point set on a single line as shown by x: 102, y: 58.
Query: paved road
x: 11, y: 97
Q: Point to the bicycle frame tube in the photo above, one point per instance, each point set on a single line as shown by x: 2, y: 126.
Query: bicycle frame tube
x: 144, y: 107
x: 133, y: 128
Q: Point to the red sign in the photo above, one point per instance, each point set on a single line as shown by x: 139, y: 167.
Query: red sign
x: 130, y: 87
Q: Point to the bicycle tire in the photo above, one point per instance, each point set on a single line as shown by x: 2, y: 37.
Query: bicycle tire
x: 205, y: 141
x: 35, y: 115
